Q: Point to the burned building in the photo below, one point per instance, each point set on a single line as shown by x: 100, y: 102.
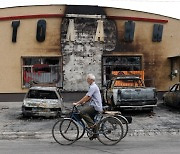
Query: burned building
x: 61, y: 44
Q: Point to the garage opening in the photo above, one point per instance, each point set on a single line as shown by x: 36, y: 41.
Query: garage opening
x: 119, y: 63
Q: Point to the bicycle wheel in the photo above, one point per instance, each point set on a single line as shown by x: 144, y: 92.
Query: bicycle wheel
x: 65, y: 131
x: 110, y: 131
x: 124, y: 124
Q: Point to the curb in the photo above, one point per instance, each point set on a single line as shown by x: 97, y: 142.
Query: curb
x: 25, y: 135
x: 48, y: 135
x: 154, y: 132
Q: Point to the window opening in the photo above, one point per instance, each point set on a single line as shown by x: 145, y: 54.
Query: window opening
x: 43, y: 70
x: 120, y: 63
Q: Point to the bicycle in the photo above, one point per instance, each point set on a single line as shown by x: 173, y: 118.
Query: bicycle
x: 110, y: 129
x: 125, y: 120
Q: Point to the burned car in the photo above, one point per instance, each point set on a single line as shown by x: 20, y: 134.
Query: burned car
x: 42, y: 101
x: 172, y: 97
x: 129, y: 92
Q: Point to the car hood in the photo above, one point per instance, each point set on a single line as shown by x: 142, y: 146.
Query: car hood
x: 44, y: 103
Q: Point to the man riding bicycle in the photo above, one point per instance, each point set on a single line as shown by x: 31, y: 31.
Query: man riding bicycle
x: 93, y: 98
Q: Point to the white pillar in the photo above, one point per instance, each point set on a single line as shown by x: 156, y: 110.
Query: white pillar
x: 99, y: 31
x: 70, y: 32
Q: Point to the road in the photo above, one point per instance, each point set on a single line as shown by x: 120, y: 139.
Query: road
x: 130, y: 145
x: 150, y: 133
x: 162, y: 121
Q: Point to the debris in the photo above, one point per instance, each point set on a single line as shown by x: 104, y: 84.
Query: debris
x: 4, y: 108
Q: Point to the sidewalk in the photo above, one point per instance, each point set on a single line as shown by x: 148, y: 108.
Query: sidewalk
x: 13, y: 126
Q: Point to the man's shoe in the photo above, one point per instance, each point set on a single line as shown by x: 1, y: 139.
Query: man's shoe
x: 94, y: 136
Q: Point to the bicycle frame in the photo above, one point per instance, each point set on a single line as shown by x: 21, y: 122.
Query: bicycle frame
x: 76, y: 116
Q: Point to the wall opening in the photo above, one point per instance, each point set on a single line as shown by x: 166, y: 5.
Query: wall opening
x: 119, y: 63
x: 41, y: 70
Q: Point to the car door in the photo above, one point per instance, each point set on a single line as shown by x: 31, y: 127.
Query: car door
x: 176, y: 96
x: 169, y: 95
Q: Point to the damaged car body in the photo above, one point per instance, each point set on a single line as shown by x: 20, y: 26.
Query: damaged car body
x: 42, y: 101
x: 172, y: 97
x: 129, y: 92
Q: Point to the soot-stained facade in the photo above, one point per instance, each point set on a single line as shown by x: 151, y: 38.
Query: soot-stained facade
x: 61, y: 44
x: 83, y: 54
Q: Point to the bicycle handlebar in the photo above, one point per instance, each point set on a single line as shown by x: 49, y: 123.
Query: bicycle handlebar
x: 75, y: 108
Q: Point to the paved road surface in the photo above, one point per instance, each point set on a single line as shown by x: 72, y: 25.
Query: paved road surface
x: 130, y: 145
x: 163, y: 121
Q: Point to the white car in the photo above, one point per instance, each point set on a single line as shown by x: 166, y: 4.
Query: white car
x: 42, y: 101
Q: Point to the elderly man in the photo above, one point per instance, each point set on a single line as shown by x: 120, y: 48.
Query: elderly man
x: 93, y: 98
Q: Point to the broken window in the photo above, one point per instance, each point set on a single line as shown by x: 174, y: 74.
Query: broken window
x: 120, y: 63
x: 128, y: 83
x: 42, y: 94
x: 43, y: 70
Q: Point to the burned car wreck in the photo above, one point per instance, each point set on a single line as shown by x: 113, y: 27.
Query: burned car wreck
x: 42, y: 101
x: 172, y: 97
x: 129, y: 92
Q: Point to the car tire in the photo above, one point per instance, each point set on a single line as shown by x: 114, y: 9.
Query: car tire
x: 112, y: 106
x: 59, y: 114
x: 104, y: 103
x: 23, y: 115
x: 149, y: 109
x: 164, y: 102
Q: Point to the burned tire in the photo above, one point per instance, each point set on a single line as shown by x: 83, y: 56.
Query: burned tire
x: 112, y: 106
x: 59, y: 114
x: 149, y: 109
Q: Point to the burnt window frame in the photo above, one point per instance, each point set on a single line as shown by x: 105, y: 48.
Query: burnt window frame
x: 105, y: 80
x: 175, y: 88
x: 41, y: 94
x: 59, y: 66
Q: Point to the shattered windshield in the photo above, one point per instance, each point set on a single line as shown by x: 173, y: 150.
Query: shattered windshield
x: 128, y: 83
x: 42, y: 94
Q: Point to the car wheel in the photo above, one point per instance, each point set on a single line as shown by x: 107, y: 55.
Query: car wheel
x: 112, y: 106
x: 104, y: 103
x: 23, y: 115
x: 150, y: 109
x: 164, y: 102
x: 59, y: 114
